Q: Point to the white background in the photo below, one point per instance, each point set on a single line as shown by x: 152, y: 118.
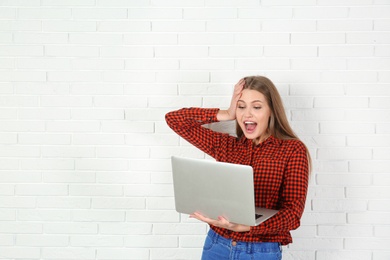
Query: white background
x: 85, y: 151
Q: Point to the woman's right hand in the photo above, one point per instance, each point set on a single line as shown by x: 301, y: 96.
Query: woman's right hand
x: 230, y: 113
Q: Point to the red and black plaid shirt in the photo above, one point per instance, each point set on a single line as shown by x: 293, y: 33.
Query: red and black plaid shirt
x: 280, y: 172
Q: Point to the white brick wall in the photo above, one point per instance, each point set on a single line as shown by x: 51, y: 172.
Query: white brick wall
x: 85, y: 152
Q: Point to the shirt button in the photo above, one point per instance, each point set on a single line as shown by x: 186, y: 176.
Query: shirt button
x: 234, y: 243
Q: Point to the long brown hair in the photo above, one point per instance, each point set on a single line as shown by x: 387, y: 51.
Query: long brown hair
x: 278, y: 125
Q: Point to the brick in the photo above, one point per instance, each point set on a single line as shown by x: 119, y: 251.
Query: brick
x: 125, y: 127
x: 235, y: 51
x: 63, y: 202
x: 35, y: 26
x: 101, y: 164
x: 209, y: 64
x: 9, y: 164
x: 181, y: 51
x: 156, y: 241
x: 319, y: 64
x: 20, y: 151
x: 344, y: 179
x: 122, y: 152
x: 97, y: 114
x: 367, y: 192
x: 125, y: 228
x: 368, y: 38
x: 20, y: 252
x: 341, y: 205
x: 97, y: 64
x: 95, y: 190
x: 345, y: 153
x: 41, y: 189
x: 71, y: 3
x: 43, y: 215
x: 72, y: 126
x: 98, y: 139
x: 345, y: 231
x: 343, y: 254
x: 149, y: 190
x: 40, y: 38
x: 73, y: 76
x: 8, y: 138
x: 17, y: 202
x: 69, y: 253
x: 319, y: 243
x: 159, y: 203
x: 176, y: 253
x: 124, y: 26
x: 344, y: 25
x: 379, y: 12
x: 288, y: 25
x: 96, y: 88
x: 126, y: 51
x: 70, y: 228
x: 150, y: 90
x: 375, y: 140
x: 155, y: 13
x: 371, y: 166
x: 69, y: 101
x: 96, y: 38
x: 183, y: 76
x: 120, y: 101
x: 99, y: 13
x: 43, y: 63
x: 347, y: 128
x: 118, y: 203
x: 209, y: 13
x: 228, y: 25
x: 122, y: 3
x: 68, y: 152
x: 44, y: 13
x: 139, y: 38
x: 44, y: 139
x: 344, y: 51
x: 96, y: 241
x: 320, y: 13
x: 98, y: 216
x: 41, y: 88
x: 123, y: 253
x: 261, y: 63
x: 370, y: 244
x: 69, y: 26
x: 69, y: 177
x: 181, y: 229
x: 291, y: 3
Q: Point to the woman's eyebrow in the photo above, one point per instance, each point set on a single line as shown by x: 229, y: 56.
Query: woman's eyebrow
x: 254, y: 101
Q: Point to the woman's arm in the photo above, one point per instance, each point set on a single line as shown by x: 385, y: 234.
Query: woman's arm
x: 293, y: 196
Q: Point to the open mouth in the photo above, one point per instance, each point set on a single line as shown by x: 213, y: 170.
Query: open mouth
x: 250, y: 126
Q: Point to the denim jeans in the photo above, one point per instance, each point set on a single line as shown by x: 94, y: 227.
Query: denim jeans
x: 217, y: 247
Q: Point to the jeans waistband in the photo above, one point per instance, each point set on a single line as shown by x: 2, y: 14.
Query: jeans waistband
x: 245, y: 246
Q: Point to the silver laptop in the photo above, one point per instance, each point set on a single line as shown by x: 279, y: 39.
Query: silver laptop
x: 216, y: 189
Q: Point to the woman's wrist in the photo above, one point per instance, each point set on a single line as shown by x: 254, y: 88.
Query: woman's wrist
x: 223, y: 115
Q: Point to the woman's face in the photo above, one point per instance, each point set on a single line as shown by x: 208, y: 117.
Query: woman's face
x: 252, y: 115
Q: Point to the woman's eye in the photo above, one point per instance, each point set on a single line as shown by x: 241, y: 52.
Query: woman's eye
x: 257, y: 107
x: 241, y: 107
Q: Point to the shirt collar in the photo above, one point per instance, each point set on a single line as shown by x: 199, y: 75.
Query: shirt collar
x: 270, y: 140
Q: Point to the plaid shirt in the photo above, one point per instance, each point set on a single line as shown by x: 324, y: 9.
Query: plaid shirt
x: 280, y: 172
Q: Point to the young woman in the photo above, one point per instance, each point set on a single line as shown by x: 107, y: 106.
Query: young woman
x: 279, y: 159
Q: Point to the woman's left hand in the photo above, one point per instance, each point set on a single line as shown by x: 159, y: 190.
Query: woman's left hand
x: 221, y: 222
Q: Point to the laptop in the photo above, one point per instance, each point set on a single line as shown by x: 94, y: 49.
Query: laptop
x: 216, y: 189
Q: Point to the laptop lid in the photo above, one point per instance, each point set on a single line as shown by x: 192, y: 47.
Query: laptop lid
x: 216, y: 189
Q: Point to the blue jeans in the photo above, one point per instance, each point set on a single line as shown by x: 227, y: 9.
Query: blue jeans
x: 217, y: 247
